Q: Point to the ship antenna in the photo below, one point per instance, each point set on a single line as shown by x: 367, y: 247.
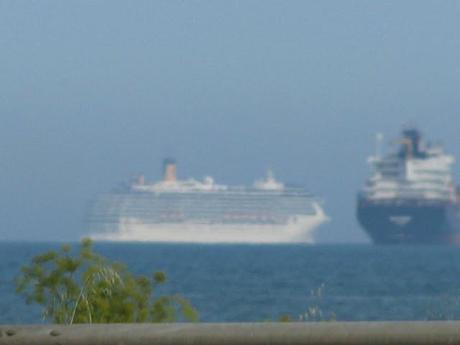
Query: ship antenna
x: 378, y: 144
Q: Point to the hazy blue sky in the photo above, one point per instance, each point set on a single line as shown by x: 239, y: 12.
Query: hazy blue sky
x: 93, y: 92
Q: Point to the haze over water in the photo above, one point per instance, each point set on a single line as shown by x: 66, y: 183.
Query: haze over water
x: 92, y: 93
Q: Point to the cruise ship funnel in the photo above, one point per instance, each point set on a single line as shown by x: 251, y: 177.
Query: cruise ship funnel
x: 169, y: 170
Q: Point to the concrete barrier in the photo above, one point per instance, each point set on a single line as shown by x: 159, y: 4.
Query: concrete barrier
x: 321, y: 333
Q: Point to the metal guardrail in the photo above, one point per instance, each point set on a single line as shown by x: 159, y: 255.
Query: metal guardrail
x: 321, y: 333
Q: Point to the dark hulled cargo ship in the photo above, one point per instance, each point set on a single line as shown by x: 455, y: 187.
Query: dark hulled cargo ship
x: 411, y: 198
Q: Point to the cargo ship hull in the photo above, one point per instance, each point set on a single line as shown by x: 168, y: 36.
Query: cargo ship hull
x: 396, y: 222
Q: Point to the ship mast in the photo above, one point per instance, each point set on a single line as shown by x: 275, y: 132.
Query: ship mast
x: 378, y: 145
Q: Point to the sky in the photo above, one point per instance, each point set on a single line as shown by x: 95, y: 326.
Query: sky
x: 95, y: 92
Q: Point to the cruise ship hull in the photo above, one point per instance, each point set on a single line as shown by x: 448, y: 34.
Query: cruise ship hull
x: 299, y: 229
x: 397, y: 222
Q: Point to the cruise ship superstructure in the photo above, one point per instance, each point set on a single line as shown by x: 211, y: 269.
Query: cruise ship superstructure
x: 411, y: 196
x: 195, y: 211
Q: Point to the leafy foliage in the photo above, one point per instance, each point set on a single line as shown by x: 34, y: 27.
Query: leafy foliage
x: 88, y: 288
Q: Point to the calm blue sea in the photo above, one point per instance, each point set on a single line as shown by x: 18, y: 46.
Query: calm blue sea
x: 258, y: 283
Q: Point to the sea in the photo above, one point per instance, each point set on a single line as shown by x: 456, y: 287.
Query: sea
x: 231, y: 283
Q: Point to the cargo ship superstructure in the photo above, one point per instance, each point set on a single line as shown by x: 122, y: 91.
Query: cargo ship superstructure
x: 205, y: 212
x: 411, y: 196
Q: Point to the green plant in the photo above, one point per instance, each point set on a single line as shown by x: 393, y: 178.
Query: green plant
x: 315, y: 311
x: 285, y: 318
x: 89, y: 288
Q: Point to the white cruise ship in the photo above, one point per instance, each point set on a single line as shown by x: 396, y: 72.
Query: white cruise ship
x: 194, y: 211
